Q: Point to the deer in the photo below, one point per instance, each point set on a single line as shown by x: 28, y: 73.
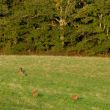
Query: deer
x: 22, y: 72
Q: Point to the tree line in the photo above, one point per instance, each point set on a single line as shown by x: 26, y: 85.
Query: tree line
x: 55, y: 26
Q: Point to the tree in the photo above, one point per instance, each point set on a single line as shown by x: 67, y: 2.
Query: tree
x: 64, y: 9
x: 80, y: 26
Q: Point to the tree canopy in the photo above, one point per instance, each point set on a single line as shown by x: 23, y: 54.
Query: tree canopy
x: 68, y: 26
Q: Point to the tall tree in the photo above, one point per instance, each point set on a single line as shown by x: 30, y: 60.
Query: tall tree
x: 64, y: 10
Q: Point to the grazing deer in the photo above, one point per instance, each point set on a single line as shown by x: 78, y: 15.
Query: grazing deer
x: 74, y: 97
x: 34, y: 92
x: 22, y: 72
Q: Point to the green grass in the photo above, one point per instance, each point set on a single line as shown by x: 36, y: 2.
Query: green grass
x: 57, y: 79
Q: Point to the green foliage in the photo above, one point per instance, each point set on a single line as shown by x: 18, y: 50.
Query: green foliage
x: 37, y: 25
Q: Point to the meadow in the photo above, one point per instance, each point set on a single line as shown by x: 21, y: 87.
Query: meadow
x: 56, y: 79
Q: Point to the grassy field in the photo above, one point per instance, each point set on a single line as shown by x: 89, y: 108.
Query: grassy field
x: 57, y: 79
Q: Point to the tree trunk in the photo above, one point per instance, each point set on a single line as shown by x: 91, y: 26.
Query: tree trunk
x: 62, y: 23
x: 107, y: 31
x: 62, y: 36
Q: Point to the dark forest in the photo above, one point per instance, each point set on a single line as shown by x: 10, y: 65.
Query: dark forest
x: 80, y: 27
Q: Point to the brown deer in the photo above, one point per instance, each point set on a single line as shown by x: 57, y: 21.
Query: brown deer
x: 74, y: 97
x: 34, y: 92
x: 22, y: 72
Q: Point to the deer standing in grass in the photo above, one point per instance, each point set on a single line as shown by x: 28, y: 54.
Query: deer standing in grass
x: 22, y: 72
